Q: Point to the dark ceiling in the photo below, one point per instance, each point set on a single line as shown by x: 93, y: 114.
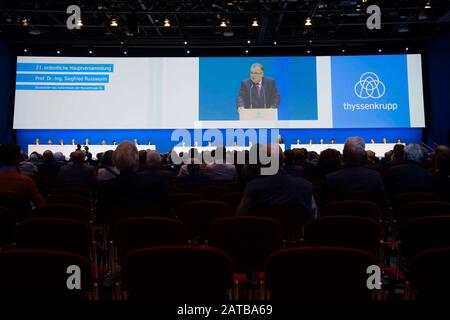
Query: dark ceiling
x: 140, y: 24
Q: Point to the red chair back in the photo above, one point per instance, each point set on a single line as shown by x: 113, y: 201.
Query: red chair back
x: 177, y: 273
x: 319, y: 273
x: 248, y: 240
x: 139, y: 232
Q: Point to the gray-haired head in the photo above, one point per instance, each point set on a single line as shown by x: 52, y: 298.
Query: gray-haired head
x: 257, y: 65
x: 414, y: 152
x: 354, y: 150
x: 126, y: 157
x: 153, y: 159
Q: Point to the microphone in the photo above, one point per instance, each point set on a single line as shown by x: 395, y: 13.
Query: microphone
x: 251, y: 107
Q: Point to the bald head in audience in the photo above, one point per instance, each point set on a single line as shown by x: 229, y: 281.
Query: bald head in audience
x: 153, y: 159
x: 126, y: 157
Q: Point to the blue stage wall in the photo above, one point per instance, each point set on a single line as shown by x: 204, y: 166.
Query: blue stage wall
x: 161, y: 138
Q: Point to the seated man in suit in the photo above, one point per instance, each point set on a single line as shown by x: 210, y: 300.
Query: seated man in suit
x: 354, y: 180
x: 409, y: 176
x: 78, y: 171
x: 258, y: 91
x: 130, y: 193
x: 277, y: 189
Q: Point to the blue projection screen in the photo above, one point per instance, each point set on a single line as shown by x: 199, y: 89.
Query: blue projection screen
x: 382, y: 91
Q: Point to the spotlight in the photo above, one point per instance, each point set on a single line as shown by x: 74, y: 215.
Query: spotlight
x: 25, y: 50
x: 309, y: 51
x: 223, y: 24
x: 58, y: 52
x: 274, y: 43
x: 255, y: 23
x: 308, y: 22
x: 188, y: 51
x: 185, y: 42
x: 24, y: 22
x: 166, y: 22
x: 380, y: 50
x: 248, y: 41
x: 114, y: 23
x: 428, y: 5
x: 125, y: 52
x: 91, y: 52
x: 79, y: 23
x: 343, y: 50
x: 246, y: 51
x: 407, y: 49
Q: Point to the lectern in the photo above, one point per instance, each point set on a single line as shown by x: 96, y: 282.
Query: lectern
x: 258, y: 114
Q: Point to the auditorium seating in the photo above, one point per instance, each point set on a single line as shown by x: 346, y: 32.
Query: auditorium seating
x: 430, y: 277
x: 7, y: 227
x: 177, y: 273
x: 199, y: 214
x: 140, y: 232
x: 198, y: 247
x: 66, y: 211
x: 319, y: 273
x: 41, y: 275
x: 352, y: 208
x: 17, y: 204
x: 292, y: 218
x: 344, y: 231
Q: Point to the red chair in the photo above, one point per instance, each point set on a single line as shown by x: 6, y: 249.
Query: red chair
x: 213, y: 192
x: 70, y: 199
x: 177, y: 199
x: 177, y: 273
x: 233, y: 199
x: 7, y: 227
x: 197, y: 215
x: 175, y: 190
x: 344, y: 231
x: 406, y: 198
x: 356, y: 208
x: 133, y: 210
x: 139, y: 232
x: 319, y: 273
x: 73, y: 190
x: 420, y: 209
x: 55, y: 234
x: 292, y: 218
x: 248, y: 240
x: 430, y: 276
x: 42, y: 274
x: 17, y: 203
x: 66, y: 211
x: 425, y: 233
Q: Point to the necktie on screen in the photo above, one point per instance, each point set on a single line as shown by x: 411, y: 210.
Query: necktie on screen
x: 258, y: 89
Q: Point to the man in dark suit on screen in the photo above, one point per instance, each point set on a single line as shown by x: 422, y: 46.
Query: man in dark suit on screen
x: 258, y: 91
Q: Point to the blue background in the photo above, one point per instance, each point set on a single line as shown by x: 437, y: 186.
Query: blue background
x: 161, y: 137
x: 391, y: 70
x: 295, y: 79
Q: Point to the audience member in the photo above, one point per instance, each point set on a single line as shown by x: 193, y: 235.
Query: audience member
x: 13, y: 181
x: 410, y: 176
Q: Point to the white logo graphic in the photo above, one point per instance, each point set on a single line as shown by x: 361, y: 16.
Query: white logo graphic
x: 369, y: 86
